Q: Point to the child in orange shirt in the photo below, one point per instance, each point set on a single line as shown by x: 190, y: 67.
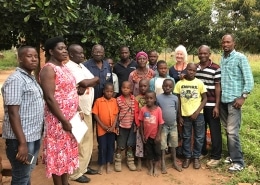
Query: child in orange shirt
x: 105, y: 112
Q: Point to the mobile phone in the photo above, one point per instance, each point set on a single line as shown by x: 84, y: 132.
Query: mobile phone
x: 30, y: 158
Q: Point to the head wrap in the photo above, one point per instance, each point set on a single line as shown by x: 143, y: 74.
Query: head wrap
x: 141, y: 53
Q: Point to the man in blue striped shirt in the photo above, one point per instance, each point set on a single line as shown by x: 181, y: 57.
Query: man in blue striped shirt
x: 236, y: 82
x: 23, y: 119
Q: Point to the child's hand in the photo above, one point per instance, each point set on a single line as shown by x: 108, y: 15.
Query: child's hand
x: 158, y: 138
x: 117, y: 130
x: 194, y: 116
x: 180, y: 120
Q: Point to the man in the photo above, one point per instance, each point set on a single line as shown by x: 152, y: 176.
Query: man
x: 236, y: 83
x: 152, y: 58
x: 23, y: 119
x: 87, y: 81
x: 209, y: 73
x: 124, y: 67
x: 99, y: 68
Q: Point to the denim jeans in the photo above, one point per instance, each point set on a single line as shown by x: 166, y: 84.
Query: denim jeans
x: 215, y: 132
x: 231, y: 120
x: 21, y: 173
x: 198, y: 127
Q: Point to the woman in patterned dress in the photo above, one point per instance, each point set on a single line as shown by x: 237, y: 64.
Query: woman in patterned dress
x: 141, y: 72
x: 60, y: 148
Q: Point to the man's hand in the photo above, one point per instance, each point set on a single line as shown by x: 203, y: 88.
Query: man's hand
x: 239, y: 102
x: 81, y: 90
x: 22, y: 152
x: 216, y: 112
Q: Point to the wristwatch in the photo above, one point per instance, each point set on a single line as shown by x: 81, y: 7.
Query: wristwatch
x: 244, y: 95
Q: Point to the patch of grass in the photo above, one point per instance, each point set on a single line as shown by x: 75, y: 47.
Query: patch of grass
x: 9, y: 61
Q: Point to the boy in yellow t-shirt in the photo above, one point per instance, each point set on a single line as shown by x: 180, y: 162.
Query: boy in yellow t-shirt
x: 192, y: 95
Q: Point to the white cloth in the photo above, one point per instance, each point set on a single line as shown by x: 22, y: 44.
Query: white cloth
x: 81, y: 73
x: 115, y: 83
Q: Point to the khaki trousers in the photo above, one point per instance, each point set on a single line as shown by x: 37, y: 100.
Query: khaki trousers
x: 85, y: 149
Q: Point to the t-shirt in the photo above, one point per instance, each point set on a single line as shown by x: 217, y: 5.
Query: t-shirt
x: 169, y: 106
x: 107, y: 111
x: 151, y: 121
x: 80, y: 72
x: 157, y: 82
x: 190, y: 95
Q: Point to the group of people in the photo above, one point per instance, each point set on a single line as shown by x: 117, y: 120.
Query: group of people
x: 140, y: 105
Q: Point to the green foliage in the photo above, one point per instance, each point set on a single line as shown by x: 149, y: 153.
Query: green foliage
x: 9, y: 61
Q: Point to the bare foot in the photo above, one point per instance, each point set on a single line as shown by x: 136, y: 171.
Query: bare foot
x: 100, y: 169
x: 164, y: 171
x: 108, y: 169
x: 177, y: 167
x: 156, y: 172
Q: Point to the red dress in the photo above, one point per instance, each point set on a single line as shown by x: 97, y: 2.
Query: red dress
x: 60, y: 148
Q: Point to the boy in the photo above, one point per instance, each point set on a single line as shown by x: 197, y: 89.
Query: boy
x: 169, y: 105
x: 192, y: 95
x: 128, y: 119
x: 151, y: 125
x: 157, y: 81
x: 106, y: 122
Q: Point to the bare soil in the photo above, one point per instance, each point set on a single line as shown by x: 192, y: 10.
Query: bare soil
x: 188, y: 176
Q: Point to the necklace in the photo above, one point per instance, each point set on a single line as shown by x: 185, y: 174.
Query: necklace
x: 179, y: 70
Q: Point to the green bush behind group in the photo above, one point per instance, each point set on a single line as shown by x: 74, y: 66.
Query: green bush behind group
x: 249, y: 133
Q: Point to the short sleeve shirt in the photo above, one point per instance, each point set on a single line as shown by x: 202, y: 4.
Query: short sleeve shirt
x: 151, y: 121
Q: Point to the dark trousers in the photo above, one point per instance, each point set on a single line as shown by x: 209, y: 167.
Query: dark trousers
x: 106, y: 148
x: 215, y: 132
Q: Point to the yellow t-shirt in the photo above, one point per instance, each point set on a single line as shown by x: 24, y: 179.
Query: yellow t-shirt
x: 190, y: 94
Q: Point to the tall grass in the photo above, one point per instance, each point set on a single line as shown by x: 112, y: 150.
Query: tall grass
x: 9, y: 60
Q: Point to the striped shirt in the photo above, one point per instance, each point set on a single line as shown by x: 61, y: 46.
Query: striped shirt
x: 23, y: 90
x: 128, y: 112
x: 210, y: 76
x: 236, y: 76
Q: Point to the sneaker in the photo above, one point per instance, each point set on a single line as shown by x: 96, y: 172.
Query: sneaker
x: 235, y: 168
x: 213, y: 163
x: 228, y: 160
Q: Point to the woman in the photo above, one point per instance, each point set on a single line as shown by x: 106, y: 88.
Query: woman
x: 141, y: 72
x: 181, y: 63
x: 60, y: 149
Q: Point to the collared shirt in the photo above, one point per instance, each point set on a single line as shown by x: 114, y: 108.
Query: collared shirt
x: 104, y: 74
x: 210, y: 76
x: 22, y: 89
x: 123, y: 72
x: 107, y: 111
x: 80, y: 72
x: 236, y: 76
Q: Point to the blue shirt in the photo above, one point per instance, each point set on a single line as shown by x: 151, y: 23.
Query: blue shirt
x: 22, y: 89
x: 169, y: 106
x: 104, y: 74
x: 236, y: 76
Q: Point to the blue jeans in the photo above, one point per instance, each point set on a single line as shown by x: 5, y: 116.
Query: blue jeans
x: 231, y: 120
x: 199, y: 133
x: 106, y: 148
x: 21, y: 173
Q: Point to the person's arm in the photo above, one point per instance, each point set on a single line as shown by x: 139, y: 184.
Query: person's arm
x: 100, y: 123
x: 15, y: 121
x: 217, y: 96
x: 89, y: 82
x: 179, y: 118
x: 47, y: 79
x: 130, y: 79
x: 113, y: 127
x: 142, y: 131
x: 158, y: 135
x: 202, y: 104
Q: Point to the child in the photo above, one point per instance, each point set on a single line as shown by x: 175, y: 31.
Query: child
x: 105, y: 112
x: 151, y: 122
x: 157, y: 81
x: 169, y: 105
x: 192, y: 95
x: 127, y: 118
x: 139, y: 150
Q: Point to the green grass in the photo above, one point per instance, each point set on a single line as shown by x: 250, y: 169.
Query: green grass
x: 9, y: 61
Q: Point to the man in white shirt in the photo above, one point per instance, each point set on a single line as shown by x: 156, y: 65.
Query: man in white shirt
x: 85, y: 82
